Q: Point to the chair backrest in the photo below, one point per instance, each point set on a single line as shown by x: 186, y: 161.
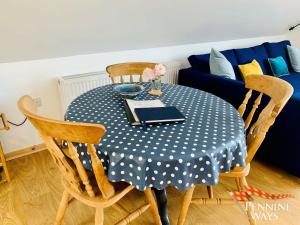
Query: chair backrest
x: 128, y: 69
x: 279, y: 92
x: 75, y: 176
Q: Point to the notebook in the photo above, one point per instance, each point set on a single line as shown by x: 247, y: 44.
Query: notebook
x: 151, y: 111
x: 159, y: 114
x: 130, y: 106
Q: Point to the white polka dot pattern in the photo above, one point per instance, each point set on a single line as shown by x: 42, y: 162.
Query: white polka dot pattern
x: 210, y: 141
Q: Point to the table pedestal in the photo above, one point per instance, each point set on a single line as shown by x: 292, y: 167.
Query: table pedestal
x: 162, y: 204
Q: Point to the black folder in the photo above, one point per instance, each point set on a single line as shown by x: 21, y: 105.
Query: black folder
x: 159, y: 115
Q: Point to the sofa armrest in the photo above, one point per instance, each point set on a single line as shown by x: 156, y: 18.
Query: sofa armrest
x: 232, y: 91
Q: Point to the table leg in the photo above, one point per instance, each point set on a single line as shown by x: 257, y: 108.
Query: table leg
x: 162, y: 201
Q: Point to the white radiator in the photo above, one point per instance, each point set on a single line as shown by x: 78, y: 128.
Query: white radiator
x: 72, y: 86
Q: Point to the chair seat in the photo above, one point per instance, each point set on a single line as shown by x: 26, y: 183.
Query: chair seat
x: 237, y: 172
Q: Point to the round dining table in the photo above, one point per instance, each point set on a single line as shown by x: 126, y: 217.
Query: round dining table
x: 210, y: 141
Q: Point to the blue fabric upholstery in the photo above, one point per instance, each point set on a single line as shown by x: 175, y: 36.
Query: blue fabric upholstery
x: 230, y: 56
x: 281, y: 146
x: 200, y: 62
x: 221, y: 86
x: 279, y: 49
x: 294, y: 80
x: 259, y: 53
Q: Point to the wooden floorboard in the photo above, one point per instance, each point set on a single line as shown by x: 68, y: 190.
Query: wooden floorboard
x: 33, y: 196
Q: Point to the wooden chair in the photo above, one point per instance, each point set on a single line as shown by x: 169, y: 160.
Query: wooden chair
x: 90, y: 187
x: 128, y: 69
x: 2, y: 158
x: 279, y: 92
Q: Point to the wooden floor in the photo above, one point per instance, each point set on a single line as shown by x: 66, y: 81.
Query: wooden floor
x: 35, y: 191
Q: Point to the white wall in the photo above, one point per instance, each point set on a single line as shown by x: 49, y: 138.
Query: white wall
x: 294, y: 36
x: 37, y: 29
x: 39, y: 79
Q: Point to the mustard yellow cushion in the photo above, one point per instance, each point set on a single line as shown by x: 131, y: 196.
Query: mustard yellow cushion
x: 252, y: 68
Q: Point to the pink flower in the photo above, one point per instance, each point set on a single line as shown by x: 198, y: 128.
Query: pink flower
x: 159, y: 70
x: 148, y: 74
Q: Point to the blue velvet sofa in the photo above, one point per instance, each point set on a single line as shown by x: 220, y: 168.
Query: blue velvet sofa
x: 282, y: 144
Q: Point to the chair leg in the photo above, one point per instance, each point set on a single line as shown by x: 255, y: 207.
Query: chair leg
x: 210, y: 191
x: 153, y: 205
x: 62, y: 208
x: 238, y: 184
x: 2, y: 159
x: 185, y: 205
x: 120, y: 208
x: 249, y: 214
x: 99, y: 216
x: 243, y: 182
x: 71, y: 198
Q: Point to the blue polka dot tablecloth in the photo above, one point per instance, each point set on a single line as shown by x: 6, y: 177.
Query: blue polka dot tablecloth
x: 182, y: 154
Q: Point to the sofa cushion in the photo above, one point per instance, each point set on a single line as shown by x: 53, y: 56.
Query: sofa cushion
x: 252, y: 68
x: 294, y: 79
x: 278, y: 49
x: 200, y: 62
x: 219, y: 65
x: 230, y: 56
x: 259, y: 53
x: 294, y: 56
x: 278, y: 66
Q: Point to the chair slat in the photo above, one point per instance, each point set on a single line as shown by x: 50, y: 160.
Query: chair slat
x: 81, y: 170
x: 131, y: 77
x: 253, y: 110
x: 112, y: 79
x: 122, y: 78
x: 104, y: 185
x: 243, y: 106
x: 260, y: 128
x: 69, y: 174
